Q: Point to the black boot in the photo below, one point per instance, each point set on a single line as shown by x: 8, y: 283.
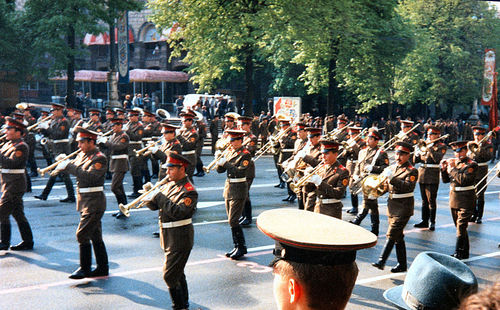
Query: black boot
x: 465, y: 247
x: 292, y: 198
x: 235, y: 242
x: 5, y: 232
x: 389, y: 244
x: 177, y: 297
x: 246, y: 218
x: 458, y: 248
x: 401, y: 254
x: 375, y: 225
x: 137, y: 185
x: 354, y: 203
x: 85, y: 262
x: 287, y: 198
x: 26, y: 235
x: 423, y: 224
x: 360, y: 217
x: 241, y: 248
x: 68, y: 199
x: 185, y: 293
x: 480, y: 211
x: 101, y: 258
x: 432, y: 226
x: 47, y: 189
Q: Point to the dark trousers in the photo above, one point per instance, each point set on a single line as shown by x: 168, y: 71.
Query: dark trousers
x: 429, y: 205
x: 117, y: 187
x: 67, y: 181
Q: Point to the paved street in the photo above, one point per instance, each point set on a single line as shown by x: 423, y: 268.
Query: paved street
x: 39, y: 278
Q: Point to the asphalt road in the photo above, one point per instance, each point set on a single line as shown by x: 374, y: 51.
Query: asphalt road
x: 39, y: 278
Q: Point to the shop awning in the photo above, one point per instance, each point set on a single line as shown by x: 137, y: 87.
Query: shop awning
x: 103, y: 38
x: 135, y: 75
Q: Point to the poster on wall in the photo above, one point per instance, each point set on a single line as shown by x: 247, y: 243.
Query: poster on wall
x: 123, y: 53
x: 289, y: 106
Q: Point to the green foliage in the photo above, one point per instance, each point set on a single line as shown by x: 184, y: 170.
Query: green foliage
x: 445, y: 67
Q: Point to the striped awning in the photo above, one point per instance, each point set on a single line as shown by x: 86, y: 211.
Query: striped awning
x: 135, y: 75
x: 103, y: 38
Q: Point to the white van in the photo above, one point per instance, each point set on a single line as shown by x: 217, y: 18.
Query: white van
x: 191, y: 99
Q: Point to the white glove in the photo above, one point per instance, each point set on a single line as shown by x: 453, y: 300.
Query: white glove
x: 308, y: 170
x: 154, y: 149
x: 221, y: 161
x: 316, y: 179
x: 149, y: 197
x: 368, y: 168
x: 43, y: 125
x: 25, y: 123
x: 301, y: 154
x: 388, y: 173
x: 85, y: 125
x: 217, y: 153
x: 125, y: 127
x: 356, y: 178
x: 60, y: 156
x: 146, y: 187
x: 101, y: 139
x: 417, y: 152
x: 62, y: 165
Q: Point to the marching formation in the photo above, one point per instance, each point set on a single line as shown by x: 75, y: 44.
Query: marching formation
x: 317, y: 165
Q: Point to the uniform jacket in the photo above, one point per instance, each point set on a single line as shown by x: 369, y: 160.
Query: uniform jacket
x: 118, y: 144
x: 430, y: 175
x: 287, y: 144
x: 365, y: 158
x: 170, y: 146
x: 135, y: 133
x: 313, y: 158
x: 482, y: 157
x: 403, y: 181
x: 58, y: 130
x: 97, y: 126
x: 14, y: 155
x: 250, y: 142
x: 463, y: 175
x: 236, y: 167
x: 335, y: 180
x: 90, y: 170
x: 188, y: 138
x: 152, y: 129
x: 176, y: 201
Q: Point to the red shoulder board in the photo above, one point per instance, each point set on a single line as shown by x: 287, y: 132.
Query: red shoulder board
x: 470, y: 161
x: 342, y: 167
x: 188, y: 186
x: 382, y: 151
x: 100, y: 154
x: 193, y: 130
x: 411, y: 167
x: 246, y: 151
x: 176, y: 141
x: 364, y: 147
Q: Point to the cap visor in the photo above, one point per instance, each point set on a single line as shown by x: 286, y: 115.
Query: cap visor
x: 393, y: 295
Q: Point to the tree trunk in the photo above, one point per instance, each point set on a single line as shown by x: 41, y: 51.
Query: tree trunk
x: 249, y: 85
x: 70, y: 82
x: 112, y: 79
x: 333, y: 98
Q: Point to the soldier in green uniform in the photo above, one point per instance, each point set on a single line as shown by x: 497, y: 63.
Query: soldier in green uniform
x: 352, y: 159
x: 482, y: 156
x: 188, y: 137
x: 331, y: 180
x: 250, y: 143
x: 135, y: 131
x: 371, y: 160
x: 460, y: 172
x: 94, y: 123
x: 235, y: 164
x: 286, y: 148
x: 170, y: 144
x: 401, y: 180
x: 176, y: 202
x: 89, y: 167
x: 312, y: 157
x: 428, y: 176
x: 57, y: 132
x: 117, y: 145
x: 13, y: 157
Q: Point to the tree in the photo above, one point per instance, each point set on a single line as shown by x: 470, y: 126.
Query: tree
x: 221, y: 38
x: 445, y: 67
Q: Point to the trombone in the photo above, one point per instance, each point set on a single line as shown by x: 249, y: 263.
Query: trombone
x: 145, y: 150
x: 400, y: 136
x: 424, y: 146
x: 495, y: 169
x: 213, y: 163
x: 337, y: 131
x: 43, y: 171
x: 139, y: 202
x: 34, y: 126
x: 264, y: 149
x: 473, y: 147
x: 349, y: 144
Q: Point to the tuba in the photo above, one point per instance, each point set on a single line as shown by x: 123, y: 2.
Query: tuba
x: 374, y: 186
x: 162, y: 114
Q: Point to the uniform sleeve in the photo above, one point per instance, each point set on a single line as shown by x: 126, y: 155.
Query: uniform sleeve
x: 136, y: 133
x: 381, y: 163
x: 185, y: 208
x: 188, y: 142
x: 93, y: 171
x: 16, y: 158
x: 120, y: 145
x: 406, y: 184
x: 466, y: 176
x: 335, y: 190
x: 240, y: 167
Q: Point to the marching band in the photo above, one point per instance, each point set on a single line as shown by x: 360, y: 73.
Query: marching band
x: 317, y: 166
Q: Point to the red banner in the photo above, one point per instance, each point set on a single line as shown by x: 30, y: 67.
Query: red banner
x: 489, y: 93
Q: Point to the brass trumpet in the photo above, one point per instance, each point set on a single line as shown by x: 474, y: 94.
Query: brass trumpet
x: 138, y: 202
x: 266, y: 147
x: 333, y: 135
x: 424, y: 146
x: 43, y: 171
x: 400, y: 136
x: 144, y: 150
x: 34, y: 126
x: 319, y: 169
x: 227, y: 151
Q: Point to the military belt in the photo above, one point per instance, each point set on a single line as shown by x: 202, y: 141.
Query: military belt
x: 176, y: 223
x: 135, y: 142
x: 327, y: 201
x: 61, y: 141
x: 287, y: 150
x: 188, y: 152
x: 14, y: 171
x: 84, y: 190
x: 237, y: 180
x: 463, y: 189
x: 353, y: 161
x: 482, y: 164
x: 397, y: 196
x: 430, y: 166
x: 119, y: 156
